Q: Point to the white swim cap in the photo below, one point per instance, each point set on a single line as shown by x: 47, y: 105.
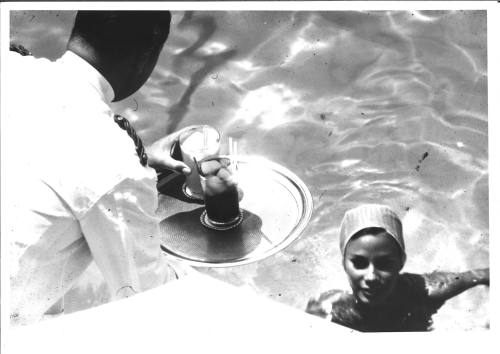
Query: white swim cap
x: 371, y: 215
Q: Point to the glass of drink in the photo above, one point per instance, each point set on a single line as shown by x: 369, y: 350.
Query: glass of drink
x: 196, y: 144
x: 220, y: 190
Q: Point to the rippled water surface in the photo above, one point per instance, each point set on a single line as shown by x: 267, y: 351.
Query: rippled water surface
x: 364, y: 106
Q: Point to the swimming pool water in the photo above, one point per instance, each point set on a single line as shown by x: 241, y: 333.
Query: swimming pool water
x: 380, y: 106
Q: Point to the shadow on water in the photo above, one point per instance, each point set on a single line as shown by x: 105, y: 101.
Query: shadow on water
x: 206, y: 27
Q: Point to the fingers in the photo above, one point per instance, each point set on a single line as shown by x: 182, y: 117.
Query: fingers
x: 160, y: 153
x: 178, y: 166
x: 172, y: 139
x: 164, y: 162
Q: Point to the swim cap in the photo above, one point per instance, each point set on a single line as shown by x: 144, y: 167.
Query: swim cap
x: 371, y: 215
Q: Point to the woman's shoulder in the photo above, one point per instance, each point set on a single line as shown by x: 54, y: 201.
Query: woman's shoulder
x: 426, y: 283
x: 414, y: 283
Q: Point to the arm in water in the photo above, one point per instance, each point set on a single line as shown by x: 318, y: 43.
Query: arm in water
x: 442, y: 286
x: 321, y: 305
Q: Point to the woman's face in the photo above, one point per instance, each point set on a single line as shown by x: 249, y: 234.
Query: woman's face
x: 372, y: 263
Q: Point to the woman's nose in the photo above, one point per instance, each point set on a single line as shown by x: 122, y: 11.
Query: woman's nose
x: 371, y: 275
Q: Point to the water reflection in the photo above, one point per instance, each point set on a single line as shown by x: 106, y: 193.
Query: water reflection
x: 350, y: 101
x: 205, y: 27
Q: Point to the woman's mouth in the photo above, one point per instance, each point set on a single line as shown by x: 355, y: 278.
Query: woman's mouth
x: 370, y: 293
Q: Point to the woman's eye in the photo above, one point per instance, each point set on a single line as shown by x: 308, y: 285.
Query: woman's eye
x: 359, y: 262
x: 385, y: 264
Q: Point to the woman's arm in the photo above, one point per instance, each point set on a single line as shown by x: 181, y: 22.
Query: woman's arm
x: 319, y: 308
x: 321, y: 305
x: 442, y: 286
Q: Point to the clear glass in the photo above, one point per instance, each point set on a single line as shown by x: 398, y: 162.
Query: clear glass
x: 198, y: 143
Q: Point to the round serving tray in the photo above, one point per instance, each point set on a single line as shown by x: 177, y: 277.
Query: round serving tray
x: 276, y: 208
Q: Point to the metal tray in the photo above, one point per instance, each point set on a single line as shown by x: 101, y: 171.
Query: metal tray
x: 276, y: 208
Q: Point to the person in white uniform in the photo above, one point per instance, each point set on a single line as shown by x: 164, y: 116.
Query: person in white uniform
x: 76, y: 190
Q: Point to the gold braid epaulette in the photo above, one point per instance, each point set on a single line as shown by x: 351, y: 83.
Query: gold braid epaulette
x: 139, y: 147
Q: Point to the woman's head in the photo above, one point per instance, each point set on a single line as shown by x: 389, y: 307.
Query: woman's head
x: 372, y: 246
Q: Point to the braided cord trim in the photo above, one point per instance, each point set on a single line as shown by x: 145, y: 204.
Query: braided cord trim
x: 139, y: 147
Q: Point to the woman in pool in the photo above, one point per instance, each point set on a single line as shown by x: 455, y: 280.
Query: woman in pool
x: 382, y: 298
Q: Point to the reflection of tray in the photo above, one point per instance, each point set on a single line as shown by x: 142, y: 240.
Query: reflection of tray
x: 276, y: 208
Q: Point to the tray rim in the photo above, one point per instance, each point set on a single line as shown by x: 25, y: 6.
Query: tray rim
x: 296, y: 232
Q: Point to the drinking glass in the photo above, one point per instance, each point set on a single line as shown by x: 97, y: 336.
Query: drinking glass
x: 197, y: 143
x: 220, y: 190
